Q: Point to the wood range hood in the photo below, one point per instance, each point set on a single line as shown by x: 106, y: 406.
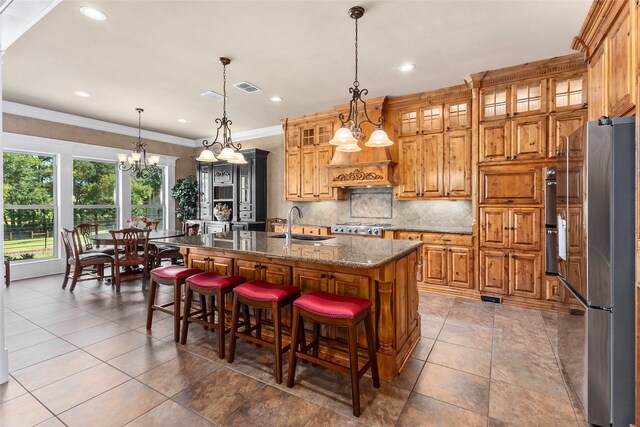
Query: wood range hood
x: 373, y: 166
x: 369, y: 167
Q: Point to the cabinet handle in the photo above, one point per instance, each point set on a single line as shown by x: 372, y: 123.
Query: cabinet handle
x: 417, y: 132
x: 446, y: 240
x: 257, y: 266
x: 514, y: 114
x: 449, y: 249
x: 506, y: 228
x: 506, y: 255
x: 515, y: 156
x: 508, y: 201
x: 506, y: 116
x: 507, y: 157
x: 331, y: 276
x: 322, y: 276
x: 448, y: 128
x: 513, y: 228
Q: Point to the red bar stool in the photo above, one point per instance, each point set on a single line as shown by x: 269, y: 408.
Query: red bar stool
x: 214, y: 285
x: 330, y: 309
x: 172, y: 275
x: 261, y: 295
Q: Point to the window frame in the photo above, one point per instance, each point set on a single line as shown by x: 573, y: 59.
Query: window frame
x: 116, y: 193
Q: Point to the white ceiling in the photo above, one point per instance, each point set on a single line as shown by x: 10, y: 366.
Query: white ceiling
x: 160, y: 55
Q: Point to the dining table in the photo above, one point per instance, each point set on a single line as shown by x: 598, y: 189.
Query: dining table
x: 106, y: 238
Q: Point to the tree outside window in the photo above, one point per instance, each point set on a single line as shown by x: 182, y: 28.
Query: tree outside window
x: 94, y: 193
x: 147, y: 197
x: 29, y: 212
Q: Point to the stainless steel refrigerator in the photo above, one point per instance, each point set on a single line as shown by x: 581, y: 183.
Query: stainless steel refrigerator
x: 596, y: 264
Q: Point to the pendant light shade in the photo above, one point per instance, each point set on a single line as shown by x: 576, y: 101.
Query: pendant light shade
x: 379, y: 138
x: 227, y: 153
x: 343, y: 136
x: 207, y: 156
x: 351, y: 130
x: 238, y: 159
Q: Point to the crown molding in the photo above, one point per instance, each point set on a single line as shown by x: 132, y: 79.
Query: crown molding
x: 73, y: 120
x: 249, y: 134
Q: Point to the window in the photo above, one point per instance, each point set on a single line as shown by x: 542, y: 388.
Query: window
x: 147, y: 197
x: 29, y: 211
x: 458, y: 115
x: 495, y: 103
x: 94, y: 193
x: 569, y: 92
x: 431, y: 118
x: 528, y: 98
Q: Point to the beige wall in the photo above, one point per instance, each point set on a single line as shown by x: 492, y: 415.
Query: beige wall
x: 185, y: 165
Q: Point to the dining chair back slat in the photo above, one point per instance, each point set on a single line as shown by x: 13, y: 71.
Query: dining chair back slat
x: 191, y: 229
x: 132, y: 248
x: 84, y: 234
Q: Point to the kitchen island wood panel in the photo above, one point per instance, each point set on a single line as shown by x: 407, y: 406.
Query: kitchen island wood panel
x: 386, y: 275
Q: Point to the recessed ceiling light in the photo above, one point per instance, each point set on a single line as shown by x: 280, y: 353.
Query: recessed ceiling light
x: 93, y: 13
x: 276, y: 99
x: 407, y: 67
x: 182, y: 120
x: 82, y: 94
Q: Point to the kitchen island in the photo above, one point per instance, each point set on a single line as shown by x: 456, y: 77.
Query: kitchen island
x: 383, y: 271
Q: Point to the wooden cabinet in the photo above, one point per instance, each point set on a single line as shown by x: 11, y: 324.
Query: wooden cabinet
x: 621, y: 66
x: 335, y: 282
x: 568, y: 93
x: 510, y: 228
x: 598, y: 105
x: 306, y: 229
x: 422, y: 120
x: 520, y: 99
x: 435, y: 166
x: 457, y: 115
x: 525, y: 274
x: 561, y: 125
x: 447, y: 259
x: 457, y: 164
x: 521, y: 184
x: 529, y: 138
x: 307, y: 155
x: 272, y: 273
x: 511, y: 273
x: 208, y: 262
x: 494, y: 271
x: 552, y: 289
x: 523, y: 138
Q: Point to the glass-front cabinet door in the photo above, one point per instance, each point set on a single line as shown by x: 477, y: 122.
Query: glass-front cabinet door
x: 205, y: 190
x: 245, y: 195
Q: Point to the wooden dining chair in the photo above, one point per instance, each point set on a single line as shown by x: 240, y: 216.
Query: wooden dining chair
x: 161, y: 252
x: 79, y: 261
x: 132, y: 261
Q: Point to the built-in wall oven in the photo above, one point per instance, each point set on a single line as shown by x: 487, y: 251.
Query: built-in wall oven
x: 550, y: 221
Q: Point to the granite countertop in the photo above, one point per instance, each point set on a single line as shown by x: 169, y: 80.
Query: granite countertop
x: 356, y: 252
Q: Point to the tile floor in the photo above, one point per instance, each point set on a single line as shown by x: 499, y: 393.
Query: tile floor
x: 85, y: 359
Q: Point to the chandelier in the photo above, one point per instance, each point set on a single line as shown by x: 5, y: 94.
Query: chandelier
x: 138, y: 164
x: 350, y: 131
x: 224, y: 149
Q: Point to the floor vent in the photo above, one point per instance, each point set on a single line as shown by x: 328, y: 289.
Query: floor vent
x: 212, y: 95
x: 246, y: 87
x: 495, y: 300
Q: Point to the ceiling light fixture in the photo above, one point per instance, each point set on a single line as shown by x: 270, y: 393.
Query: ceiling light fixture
x: 276, y: 99
x: 182, y: 120
x: 407, y: 67
x: 224, y: 149
x: 82, y: 94
x: 93, y: 13
x: 350, y: 132
x: 139, y: 166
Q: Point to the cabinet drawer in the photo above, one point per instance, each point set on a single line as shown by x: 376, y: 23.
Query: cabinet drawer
x: 246, y: 215
x: 510, y: 185
x: 447, y: 239
x: 408, y: 235
x: 245, y: 206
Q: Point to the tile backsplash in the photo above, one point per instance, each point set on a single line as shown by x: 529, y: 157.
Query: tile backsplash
x: 377, y: 205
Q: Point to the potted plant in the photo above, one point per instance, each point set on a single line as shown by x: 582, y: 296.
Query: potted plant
x: 186, y: 194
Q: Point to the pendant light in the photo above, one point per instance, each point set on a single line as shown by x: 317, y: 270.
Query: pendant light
x: 350, y: 132
x: 138, y: 164
x: 224, y: 149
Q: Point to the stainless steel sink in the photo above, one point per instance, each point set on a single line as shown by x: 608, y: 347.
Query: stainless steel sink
x: 302, y: 237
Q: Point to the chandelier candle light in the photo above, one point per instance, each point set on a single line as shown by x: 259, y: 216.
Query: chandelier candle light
x: 225, y: 149
x: 350, y: 132
x: 139, y: 165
